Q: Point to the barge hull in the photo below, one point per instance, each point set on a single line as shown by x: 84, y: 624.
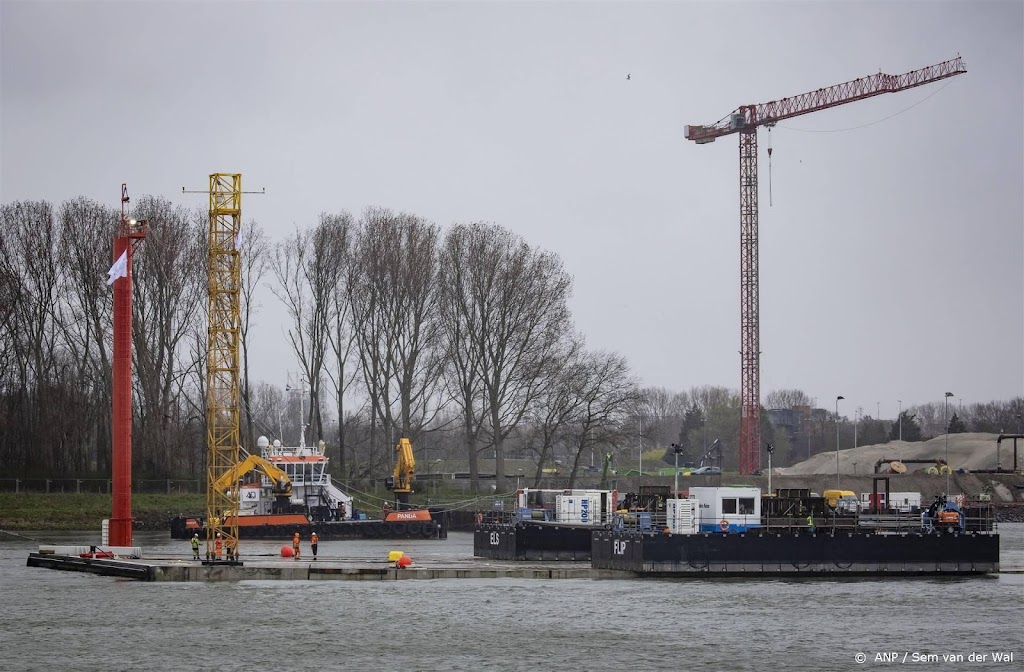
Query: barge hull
x: 533, y: 541
x: 806, y: 554
x: 436, y: 528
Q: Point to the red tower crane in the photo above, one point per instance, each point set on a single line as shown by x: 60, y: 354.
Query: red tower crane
x: 745, y: 121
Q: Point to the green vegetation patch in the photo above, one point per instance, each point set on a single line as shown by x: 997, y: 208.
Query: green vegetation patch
x: 36, y: 511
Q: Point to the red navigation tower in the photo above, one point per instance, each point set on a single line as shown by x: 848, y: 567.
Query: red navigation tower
x: 745, y: 121
x: 131, y: 233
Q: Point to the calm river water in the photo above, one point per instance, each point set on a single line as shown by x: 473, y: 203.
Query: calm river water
x: 58, y: 620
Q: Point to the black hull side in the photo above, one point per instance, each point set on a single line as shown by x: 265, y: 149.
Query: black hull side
x: 334, y: 529
x: 532, y: 541
x: 805, y: 554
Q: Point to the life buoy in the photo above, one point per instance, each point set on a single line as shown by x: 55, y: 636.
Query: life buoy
x: 723, y: 525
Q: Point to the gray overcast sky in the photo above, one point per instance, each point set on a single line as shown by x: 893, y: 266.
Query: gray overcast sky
x: 890, y: 260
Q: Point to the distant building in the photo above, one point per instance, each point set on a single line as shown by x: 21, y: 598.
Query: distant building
x: 786, y: 418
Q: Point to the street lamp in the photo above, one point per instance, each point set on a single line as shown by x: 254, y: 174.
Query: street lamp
x: 945, y: 413
x: 430, y: 465
x: 901, y: 418
x: 838, y: 399
x: 641, y: 445
x: 676, y: 448
x: 771, y: 449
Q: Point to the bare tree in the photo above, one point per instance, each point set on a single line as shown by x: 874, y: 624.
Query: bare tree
x: 30, y: 270
x: 464, y: 264
x: 514, y: 314
x: 557, y: 403
x: 662, y: 412
x: 87, y: 231
x: 392, y: 291
x: 786, y: 399
x: 255, y: 250
x: 169, y: 288
x: 606, y: 392
x: 340, y: 335
x: 308, y: 268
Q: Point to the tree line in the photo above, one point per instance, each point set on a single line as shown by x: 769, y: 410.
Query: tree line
x: 460, y: 339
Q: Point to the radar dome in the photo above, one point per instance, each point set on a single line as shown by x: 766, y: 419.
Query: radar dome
x: 262, y: 442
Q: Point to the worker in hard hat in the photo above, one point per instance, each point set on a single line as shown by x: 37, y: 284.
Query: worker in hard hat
x: 195, y: 546
x: 295, y: 545
x: 218, y: 547
x: 313, y: 539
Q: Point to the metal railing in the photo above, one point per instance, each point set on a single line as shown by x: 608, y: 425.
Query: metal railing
x: 168, y: 486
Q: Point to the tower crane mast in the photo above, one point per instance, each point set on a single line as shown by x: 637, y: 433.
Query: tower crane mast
x: 745, y: 121
x: 223, y: 389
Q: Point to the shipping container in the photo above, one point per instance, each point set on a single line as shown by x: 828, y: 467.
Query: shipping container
x: 904, y: 502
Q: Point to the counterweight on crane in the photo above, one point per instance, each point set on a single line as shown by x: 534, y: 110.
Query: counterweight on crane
x: 745, y: 121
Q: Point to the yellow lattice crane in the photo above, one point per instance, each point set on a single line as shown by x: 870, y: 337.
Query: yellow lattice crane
x: 223, y: 389
x: 223, y: 392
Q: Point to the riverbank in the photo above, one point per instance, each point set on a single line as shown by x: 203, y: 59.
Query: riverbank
x: 85, y: 511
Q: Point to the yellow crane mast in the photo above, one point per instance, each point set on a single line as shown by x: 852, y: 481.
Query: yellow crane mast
x: 223, y: 398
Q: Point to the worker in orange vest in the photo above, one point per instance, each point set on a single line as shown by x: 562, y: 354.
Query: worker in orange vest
x: 295, y: 546
x: 313, y: 539
x: 218, y: 545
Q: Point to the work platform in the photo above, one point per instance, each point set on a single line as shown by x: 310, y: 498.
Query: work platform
x: 323, y: 569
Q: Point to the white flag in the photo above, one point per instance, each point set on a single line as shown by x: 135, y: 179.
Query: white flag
x: 238, y: 239
x: 119, y: 269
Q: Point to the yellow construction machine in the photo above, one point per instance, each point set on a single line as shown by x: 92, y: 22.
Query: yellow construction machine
x: 400, y: 482
x: 282, y: 487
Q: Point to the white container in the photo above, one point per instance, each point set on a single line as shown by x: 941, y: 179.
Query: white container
x: 682, y: 516
x: 578, y: 509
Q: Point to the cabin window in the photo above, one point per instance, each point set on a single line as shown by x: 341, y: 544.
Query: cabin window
x: 728, y: 505
x: 747, y: 506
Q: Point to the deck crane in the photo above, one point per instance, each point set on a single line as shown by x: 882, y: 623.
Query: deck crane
x: 745, y: 121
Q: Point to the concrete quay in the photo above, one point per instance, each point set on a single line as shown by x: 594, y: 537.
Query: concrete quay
x: 177, y: 570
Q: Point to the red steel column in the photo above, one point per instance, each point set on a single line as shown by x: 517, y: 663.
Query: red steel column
x: 750, y: 331
x: 121, y: 518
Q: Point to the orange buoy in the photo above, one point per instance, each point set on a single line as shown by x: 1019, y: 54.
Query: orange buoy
x: 287, y: 552
x: 403, y: 561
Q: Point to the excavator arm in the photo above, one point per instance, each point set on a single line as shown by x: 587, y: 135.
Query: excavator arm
x: 400, y: 482
x: 405, y: 467
x: 282, y: 484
